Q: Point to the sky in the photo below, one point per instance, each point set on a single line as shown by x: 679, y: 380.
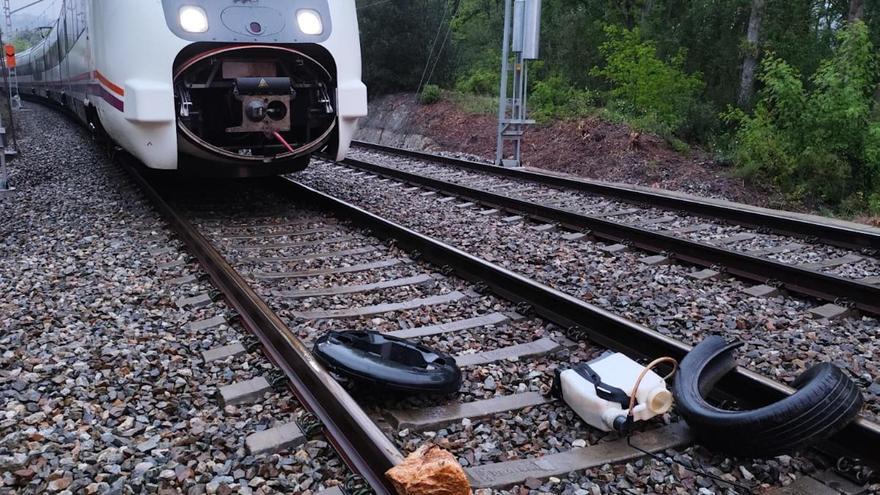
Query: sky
x: 34, y: 15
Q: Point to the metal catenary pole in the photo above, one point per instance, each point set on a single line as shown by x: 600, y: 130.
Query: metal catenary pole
x: 522, y: 32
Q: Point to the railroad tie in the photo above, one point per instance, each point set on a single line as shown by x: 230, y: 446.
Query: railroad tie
x: 431, y: 417
x: 356, y: 289
x: 284, y: 437
x: 503, y: 474
x: 380, y: 308
x: 223, y: 353
x: 834, y: 262
x: 244, y: 392
x: 537, y: 348
x: 365, y: 267
x: 456, y: 326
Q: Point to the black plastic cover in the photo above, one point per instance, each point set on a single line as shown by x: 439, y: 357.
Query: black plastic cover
x: 263, y: 86
x: 388, y: 362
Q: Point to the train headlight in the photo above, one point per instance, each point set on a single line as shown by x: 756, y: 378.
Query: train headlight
x: 309, y: 22
x: 193, y: 19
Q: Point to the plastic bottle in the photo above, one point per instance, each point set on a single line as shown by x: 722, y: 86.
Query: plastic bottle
x: 616, y: 370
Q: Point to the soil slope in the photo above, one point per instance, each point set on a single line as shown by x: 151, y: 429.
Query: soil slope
x: 587, y: 147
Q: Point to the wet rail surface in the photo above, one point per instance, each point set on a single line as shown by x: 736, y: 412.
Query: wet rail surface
x: 306, y: 271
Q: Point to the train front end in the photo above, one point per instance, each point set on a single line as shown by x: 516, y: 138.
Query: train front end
x: 263, y: 84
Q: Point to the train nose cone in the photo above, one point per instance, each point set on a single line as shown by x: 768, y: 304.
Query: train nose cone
x: 256, y: 111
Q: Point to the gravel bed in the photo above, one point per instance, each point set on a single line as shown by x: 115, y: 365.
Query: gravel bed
x: 101, y: 377
x: 781, y: 337
x: 669, y: 474
x: 594, y: 204
x: 669, y: 302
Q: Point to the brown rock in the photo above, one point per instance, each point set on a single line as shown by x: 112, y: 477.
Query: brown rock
x: 429, y: 471
x: 60, y: 484
x: 25, y: 473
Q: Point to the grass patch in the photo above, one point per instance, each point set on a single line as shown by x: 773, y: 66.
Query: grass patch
x: 472, y: 104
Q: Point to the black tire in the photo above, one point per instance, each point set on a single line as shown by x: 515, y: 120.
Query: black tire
x: 826, y: 401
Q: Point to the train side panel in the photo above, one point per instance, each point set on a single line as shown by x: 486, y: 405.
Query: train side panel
x: 351, y: 93
x: 133, y: 55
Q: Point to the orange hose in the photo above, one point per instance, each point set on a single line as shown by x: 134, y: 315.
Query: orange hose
x: 654, y: 363
x: 283, y: 142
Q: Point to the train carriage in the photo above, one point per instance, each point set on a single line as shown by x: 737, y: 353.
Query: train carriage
x: 214, y: 87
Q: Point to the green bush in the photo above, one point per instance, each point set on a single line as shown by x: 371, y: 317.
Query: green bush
x: 874, y: 204
x: 431, y: 94
x: 819, y: 142
x: 657, y: 94
x: 480, y: 82
x: 556, y: 98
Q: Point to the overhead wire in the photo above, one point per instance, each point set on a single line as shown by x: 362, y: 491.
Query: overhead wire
x: 440, y: 52
x: 433, y: 45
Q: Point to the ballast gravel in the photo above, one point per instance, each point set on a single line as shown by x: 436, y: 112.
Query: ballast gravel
x: 529, y: 432
x: 591, y: 204
x: 781, y: 337
x: 102, y: 383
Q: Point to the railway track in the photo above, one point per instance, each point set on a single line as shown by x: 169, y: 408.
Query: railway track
x: 294, y: 273
x: 836, y: 262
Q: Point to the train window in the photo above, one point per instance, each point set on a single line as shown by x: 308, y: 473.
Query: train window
x: 62, y: 34
x: 70, y: 26
x: 81, y: 17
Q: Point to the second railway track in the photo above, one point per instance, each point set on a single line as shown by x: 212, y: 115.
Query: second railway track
x: 295, y: 273
x: 833, y: 261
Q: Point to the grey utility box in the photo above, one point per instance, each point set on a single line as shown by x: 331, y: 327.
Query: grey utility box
x: 527, y: 28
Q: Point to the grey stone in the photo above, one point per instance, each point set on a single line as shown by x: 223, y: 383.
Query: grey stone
x: 706, y: 274
x: 830, y: 312
x: 547, y: 227
x: 275, y: 439
x: 198, y: 326
x: 149, y: 444
x: 188, y: 279
x: 225, y: 352
x: 761, y: 291
x: 614, y: 249
x: 198, y: 301
x: 244, y: 392
x: 657, y: 260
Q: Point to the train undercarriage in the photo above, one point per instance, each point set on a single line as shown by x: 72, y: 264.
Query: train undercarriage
x: 255, y: 104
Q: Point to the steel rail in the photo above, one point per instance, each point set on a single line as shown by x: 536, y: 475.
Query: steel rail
x: 357, y: 439
x: 601, y: 326
x: 841, y: 235
x: 794, y: 278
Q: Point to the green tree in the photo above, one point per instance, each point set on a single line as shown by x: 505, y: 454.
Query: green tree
x: 817, y: 141
x: 656, y: 92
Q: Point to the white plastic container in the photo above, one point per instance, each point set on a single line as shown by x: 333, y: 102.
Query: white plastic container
x: 615, y: 370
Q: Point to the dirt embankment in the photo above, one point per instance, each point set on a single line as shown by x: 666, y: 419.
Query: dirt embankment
x: 588, y: 147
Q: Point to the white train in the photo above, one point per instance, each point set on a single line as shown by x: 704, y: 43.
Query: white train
x: 217, y: 87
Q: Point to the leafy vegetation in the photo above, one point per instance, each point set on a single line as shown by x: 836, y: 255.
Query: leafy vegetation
x: 22, y: 40
x: 817, y: 139
x: 788, y: 89
x: 655, y: 92
x: 430, y: 94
